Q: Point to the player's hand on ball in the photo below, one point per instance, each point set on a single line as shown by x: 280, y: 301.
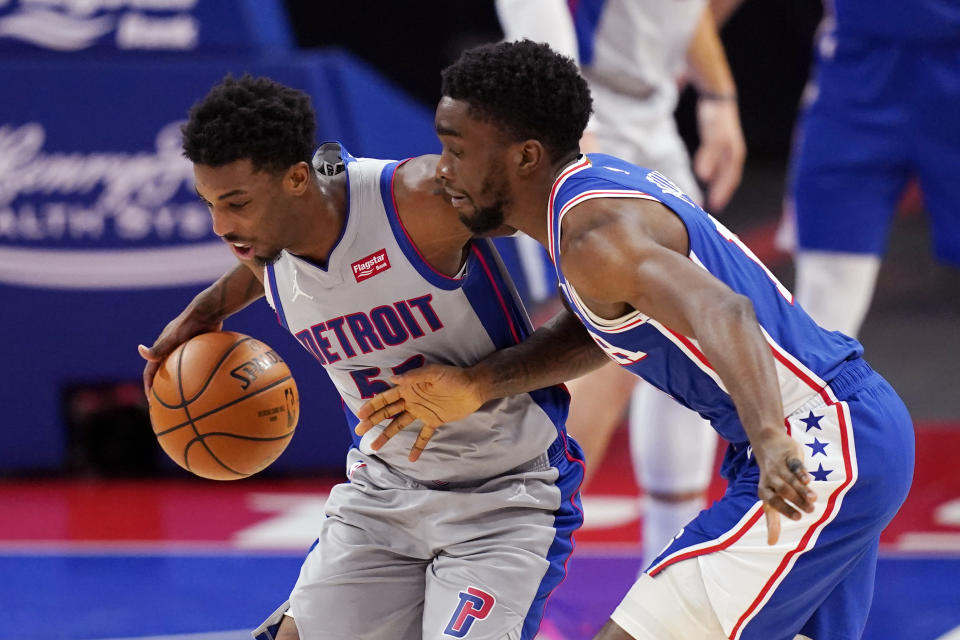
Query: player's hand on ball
x: 783, y: 481
x: 188, y: 324
x: 434, y: 395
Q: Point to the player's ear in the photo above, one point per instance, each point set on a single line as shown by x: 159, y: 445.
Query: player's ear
x: 297, y: 178
x: 530, y: 154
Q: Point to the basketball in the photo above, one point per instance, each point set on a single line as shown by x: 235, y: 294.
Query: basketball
x: 224, y: 405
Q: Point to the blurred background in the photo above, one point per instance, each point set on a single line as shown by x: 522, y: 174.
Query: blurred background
x: 102, y: 242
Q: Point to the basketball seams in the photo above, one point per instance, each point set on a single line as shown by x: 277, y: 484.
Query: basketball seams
x: 186, y: 410
x: 216, y: 367
x: 223, y: 406
x: 236, y: 439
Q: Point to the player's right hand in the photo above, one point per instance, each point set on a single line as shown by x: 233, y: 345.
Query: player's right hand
x: 434, y: 394
x: 783, y: 480
x: 185, y: 326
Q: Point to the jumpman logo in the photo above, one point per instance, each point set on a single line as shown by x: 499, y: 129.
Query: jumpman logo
x: 297, y: 291
x: 520, y: 494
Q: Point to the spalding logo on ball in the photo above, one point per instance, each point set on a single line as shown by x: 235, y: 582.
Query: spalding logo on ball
x: 224, y: 405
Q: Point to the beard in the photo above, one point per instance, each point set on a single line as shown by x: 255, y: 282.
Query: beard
x: 483, y: 221
x: 490, y: 218
x: 265, y: 261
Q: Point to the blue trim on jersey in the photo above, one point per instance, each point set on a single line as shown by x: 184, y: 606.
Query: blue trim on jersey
x: 347, y: 159
x: 426, y: 271
x: 494, y: 300
x: 352, y: 422
x: 272, y: 278
x: 586, y: 20
x: 566, y: 455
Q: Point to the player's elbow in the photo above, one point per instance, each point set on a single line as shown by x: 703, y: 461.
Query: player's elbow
x: 728, y: 309
x: 736, y: 309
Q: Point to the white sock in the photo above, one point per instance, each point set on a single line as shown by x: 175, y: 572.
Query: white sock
x: 663, y: 520
x: 836, y: 288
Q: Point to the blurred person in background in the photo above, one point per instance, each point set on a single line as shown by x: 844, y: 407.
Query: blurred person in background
x: 634, y: 56
x: 879, y: 110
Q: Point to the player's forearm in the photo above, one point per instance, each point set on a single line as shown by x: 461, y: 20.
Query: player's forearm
x: 232, y: 292
x: 558, y: 351
x: 707, y: 62
x: 733, y: 343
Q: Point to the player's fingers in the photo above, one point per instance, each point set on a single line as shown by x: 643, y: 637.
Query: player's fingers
x: 784, y: 507
x: 426, y: 432
x: 722, y: 188
x: 149, y: 373
x: 705, y: 163
x: 396, y: 425
x: 147, y: 353
x: 799, y: 480
x: 773, y: 524
x: 377, y: 403
x: 377, y: 417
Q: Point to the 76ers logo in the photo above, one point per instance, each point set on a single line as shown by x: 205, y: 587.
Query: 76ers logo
x: 475, y: 604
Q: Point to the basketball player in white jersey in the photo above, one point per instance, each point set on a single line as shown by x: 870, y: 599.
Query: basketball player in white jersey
x: 372, y: 271
x: 632, y: 54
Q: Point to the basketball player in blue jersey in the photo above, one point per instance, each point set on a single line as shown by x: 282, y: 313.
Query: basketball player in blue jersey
x: 669, y: 293
x: 373, y: 272
x: 880, y: 110
x: 631, y: 53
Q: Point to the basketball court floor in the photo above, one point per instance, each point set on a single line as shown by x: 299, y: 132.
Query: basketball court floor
x: 202, y: 560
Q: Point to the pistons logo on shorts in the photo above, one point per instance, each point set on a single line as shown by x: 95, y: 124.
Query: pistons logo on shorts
x: 475, y: 604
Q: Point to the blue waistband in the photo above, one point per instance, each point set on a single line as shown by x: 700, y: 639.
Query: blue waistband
x: 854, y: 375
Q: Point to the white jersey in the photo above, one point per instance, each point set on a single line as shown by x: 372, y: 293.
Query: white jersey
x: 632, y: 48
x: 378, y: 308
x: 636, y: 47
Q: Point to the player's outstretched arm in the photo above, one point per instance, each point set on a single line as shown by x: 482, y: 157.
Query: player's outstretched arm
x: 617, y: 253
x: 206, y: 312
x: 718, y: 161
x: 560, y: 350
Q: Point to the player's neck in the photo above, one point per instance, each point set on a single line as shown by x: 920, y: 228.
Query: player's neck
x: 325, y: 214
x: 528, y: 210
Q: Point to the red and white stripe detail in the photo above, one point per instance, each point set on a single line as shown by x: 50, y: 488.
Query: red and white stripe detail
x: 690, y: 348
x: 576, y: 167
x: 617, y: 325
x: 590, y: 195
x: 801, y: 537
x: 812, y: 533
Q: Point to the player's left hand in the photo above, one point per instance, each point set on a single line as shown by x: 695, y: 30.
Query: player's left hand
x: 719, y: 160
x: 783, y: 481
x: 433, y: 394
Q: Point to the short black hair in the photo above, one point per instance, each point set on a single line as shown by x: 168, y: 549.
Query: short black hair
x: 527, y: 88
x: 257, y: 118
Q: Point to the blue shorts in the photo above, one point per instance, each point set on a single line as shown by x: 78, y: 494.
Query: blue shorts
x: 883, y: 113
x: 818, y: 580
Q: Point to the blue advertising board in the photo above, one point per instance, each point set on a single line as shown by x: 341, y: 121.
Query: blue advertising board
x: 103, y: 240
x: 142, y: 26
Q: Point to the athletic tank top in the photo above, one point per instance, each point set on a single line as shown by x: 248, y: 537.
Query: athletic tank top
x: 635, y: 47
x: 377, y: 309
x: 806, y: 356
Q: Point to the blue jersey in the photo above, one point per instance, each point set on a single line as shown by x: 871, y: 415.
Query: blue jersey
x: 807, y: 357
x: 914, y: 21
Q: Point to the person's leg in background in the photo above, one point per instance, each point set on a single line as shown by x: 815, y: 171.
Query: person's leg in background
x: 849, y: 167
x: 673, y: 451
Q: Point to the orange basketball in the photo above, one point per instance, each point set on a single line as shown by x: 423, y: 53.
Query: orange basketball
x: 224, y: 405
